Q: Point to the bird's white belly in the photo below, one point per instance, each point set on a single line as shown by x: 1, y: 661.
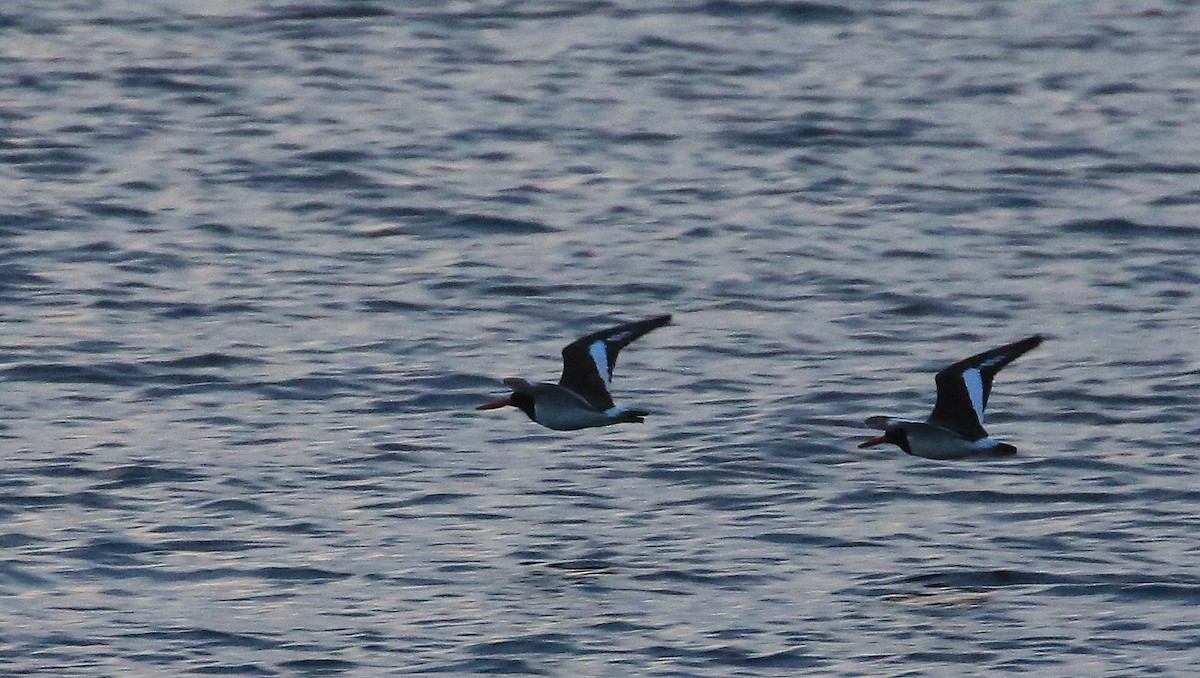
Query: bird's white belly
x: 567, y: 412
x: 933, y: 442
x: 569, y: 421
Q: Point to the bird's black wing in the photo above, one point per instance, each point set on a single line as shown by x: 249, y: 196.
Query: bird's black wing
x: 588, y: 362
x: 963, y: 388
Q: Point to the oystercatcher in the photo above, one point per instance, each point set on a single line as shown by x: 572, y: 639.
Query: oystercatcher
x: 581, y: 399
x: 955, y: 428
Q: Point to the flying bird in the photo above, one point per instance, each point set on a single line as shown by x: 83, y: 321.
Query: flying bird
x: 581, y: 397
x: 955, y: 428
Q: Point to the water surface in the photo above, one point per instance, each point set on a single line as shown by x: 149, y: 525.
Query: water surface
x: 260, y: 260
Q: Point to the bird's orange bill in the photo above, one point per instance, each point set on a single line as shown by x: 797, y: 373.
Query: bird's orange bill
x: 873, y: 442
x: 496, y: 404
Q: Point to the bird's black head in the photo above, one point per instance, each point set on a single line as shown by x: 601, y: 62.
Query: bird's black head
x: 895, y: 435
x: 898, y: 437
x: 524, y: 402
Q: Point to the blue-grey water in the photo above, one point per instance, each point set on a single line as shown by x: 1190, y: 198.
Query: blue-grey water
x: 260, y: 260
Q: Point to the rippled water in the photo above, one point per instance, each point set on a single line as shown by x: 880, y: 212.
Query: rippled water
x: 260, y: 260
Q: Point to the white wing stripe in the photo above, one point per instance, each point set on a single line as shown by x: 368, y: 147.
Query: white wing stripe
x: 974, y: 383
x: 599, y: 353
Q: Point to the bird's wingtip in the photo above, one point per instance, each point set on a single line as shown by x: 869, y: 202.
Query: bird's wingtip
x: 878, y: 422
